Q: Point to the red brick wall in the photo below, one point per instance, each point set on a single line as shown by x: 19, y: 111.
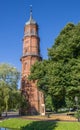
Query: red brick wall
x: 31, y: 53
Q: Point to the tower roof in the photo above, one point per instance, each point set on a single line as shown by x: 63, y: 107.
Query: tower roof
x: 31, y: 20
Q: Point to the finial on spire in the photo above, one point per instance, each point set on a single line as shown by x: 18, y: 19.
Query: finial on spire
x: 31, y: 8
x: 30, y: 11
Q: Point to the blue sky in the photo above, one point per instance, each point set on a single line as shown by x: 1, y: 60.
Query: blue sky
x: 51, y: 16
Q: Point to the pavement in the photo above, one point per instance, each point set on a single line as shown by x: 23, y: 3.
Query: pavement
x: 52, y: 117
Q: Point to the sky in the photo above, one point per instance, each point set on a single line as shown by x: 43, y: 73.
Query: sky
x: 51, y: 16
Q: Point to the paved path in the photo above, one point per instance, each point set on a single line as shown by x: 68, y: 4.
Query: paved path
x: 52, y: 117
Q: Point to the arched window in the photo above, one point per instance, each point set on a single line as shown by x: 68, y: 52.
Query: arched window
x: 25, y: 64
x: 32, y: 31
x: 25, y: 50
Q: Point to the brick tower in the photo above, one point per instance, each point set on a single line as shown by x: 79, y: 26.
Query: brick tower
x: 31, y: 54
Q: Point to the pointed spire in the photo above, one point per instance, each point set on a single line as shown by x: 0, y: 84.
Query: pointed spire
x: 31, y: 20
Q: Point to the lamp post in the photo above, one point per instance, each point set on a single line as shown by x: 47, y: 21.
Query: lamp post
x: 76, y: 100
x: 78, y: 112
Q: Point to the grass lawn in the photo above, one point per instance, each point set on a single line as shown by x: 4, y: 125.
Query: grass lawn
x: 39, y: 125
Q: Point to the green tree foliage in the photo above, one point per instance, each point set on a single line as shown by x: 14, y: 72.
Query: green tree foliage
x: 23, y: 105
x: 48, y: 103
x: 67, y: 44
x: 59, y: 76
x: 9, y: 77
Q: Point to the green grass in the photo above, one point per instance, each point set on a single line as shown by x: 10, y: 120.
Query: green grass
x: 39, y: 125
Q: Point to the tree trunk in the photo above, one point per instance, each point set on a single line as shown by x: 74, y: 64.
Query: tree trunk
x: 6, y: 107
x: 0, y: 114
x: 79, y: 119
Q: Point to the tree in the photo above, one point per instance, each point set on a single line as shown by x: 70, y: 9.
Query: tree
x: 23, y: 105
x: 45, y: 73
x: 9, y: 77
x: 48, y: 103
x: 59, y: 76
x: 66, y: 50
